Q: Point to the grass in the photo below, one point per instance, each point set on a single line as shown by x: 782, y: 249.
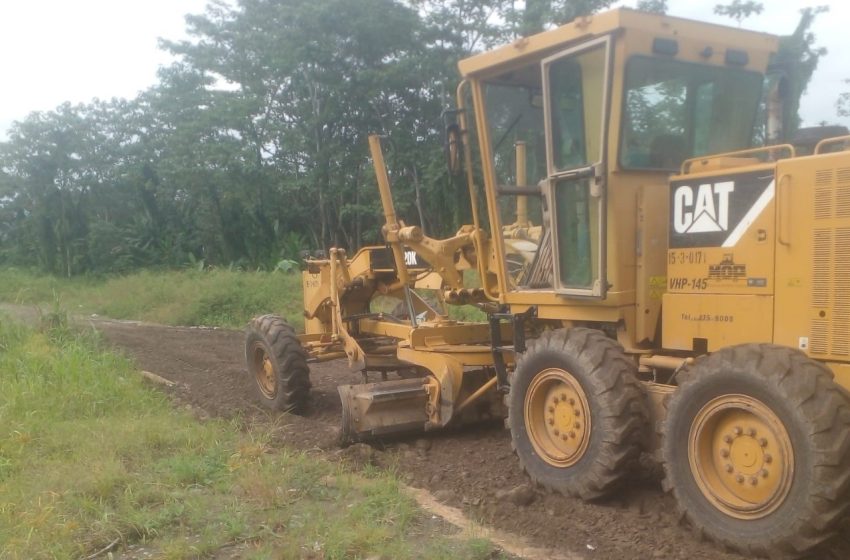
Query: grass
x: 184, y: 297
x: 190, y: 297
x: 90, y: 456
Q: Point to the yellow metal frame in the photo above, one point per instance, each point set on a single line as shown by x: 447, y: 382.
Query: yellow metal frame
x: 636, y: 260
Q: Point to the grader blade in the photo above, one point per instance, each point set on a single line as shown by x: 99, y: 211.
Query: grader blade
x: 389, y: 407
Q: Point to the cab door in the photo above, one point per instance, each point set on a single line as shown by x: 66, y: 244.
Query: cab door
x: 576, y: 96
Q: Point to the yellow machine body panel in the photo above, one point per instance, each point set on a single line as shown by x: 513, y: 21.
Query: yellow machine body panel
x: 720, y: 260
x: 761, y: 253
x: 718, y: 319
x: 813, y: 255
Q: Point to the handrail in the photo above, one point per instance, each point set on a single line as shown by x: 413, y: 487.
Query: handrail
x: 828, y: 141
x: 686, y: 165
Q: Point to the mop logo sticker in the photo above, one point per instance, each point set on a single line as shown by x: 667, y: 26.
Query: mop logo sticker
x: 717, y: 212
x: 702, y: 210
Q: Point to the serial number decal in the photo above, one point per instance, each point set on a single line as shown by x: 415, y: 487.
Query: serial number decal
x: 708, y: 318
x: 313, y: 281
x: 689, y: 283
x: 686, y: 257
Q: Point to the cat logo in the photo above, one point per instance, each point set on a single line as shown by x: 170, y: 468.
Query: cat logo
x: 703, y: 211
x: 717, y: 211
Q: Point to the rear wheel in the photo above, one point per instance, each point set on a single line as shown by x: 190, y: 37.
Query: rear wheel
x: 756, y: 449
x: 576, y: 412
x: 278, y: 364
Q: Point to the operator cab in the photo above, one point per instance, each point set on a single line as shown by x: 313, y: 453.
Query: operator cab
x: 591, y: 113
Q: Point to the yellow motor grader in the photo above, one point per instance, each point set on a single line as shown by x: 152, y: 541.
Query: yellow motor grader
x: 652, y: 282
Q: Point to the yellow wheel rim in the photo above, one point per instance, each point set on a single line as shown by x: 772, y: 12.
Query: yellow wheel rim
x: 557, y: 417
x: 741, y: 456
x: 263, y: 370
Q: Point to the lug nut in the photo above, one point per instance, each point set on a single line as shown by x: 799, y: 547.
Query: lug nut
x: 754, y: 481
x: 572, y: 402
x: 739, y: 479
x: 577, y: 413
x: 564, y: 437
x: 737, y: 430
x: 768, y: 458
x: 563, y: 396
x: 551, y: 421
x: 572, y: 435
x: 557, y: 432
x: 729, y: 468
x: 751, y: 432
x: 727, y: 438
x: 724, y: 453
x: 577, y: 425
x: 763, y: 442
x: 551, y: 408
x: 764, y: 473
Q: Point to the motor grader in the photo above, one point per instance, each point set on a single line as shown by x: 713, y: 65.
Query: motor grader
x: 653, y: 281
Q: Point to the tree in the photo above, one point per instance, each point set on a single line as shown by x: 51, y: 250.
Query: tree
x: 797, y: 59
x: 843, y: 104
x: 653, y: 6
x: 312, y: 82
x: 739, y: 10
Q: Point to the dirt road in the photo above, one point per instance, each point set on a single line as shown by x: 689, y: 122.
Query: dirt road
x: 470, y: 468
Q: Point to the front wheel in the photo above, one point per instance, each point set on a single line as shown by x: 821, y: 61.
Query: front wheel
x: 277, y: 363
x: 576, y: 412
x: 756, y: 449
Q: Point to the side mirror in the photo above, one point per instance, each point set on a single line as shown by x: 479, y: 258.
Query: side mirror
x: 454, y: 149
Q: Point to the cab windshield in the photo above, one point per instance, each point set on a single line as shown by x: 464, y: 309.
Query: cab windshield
x: 677, y: 110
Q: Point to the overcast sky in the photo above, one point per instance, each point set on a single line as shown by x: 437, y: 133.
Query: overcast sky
x: 53, y: 51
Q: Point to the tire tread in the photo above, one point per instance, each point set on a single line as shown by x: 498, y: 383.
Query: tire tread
x: 291, y: 358
x: 623, y: 406
x: 807, y: 386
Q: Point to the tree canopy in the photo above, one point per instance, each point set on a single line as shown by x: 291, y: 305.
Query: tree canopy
x: 253, y: 144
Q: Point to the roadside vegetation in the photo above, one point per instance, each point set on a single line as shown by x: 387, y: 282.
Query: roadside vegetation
x: 92, y: 459
x: 188, y: 297
x: 214, y: 297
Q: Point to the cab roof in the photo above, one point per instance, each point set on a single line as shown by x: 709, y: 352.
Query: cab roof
x: 587, y: 27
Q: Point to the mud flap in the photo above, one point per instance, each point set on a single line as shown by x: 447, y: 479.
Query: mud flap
x: 389, y: 407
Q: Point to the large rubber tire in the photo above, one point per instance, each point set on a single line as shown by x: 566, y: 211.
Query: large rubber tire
x: 814, y: 416
x: 612, y: 395
x: 271, y: 345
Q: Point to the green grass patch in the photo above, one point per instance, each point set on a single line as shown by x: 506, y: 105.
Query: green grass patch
x: 183, y: 297
x: 89, y: 456
x: 222, y: 298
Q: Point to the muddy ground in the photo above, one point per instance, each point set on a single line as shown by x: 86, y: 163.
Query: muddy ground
x: 469, y: 468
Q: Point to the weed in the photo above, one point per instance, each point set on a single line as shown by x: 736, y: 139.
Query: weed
x: 211, y: 297
x: 89, y: 455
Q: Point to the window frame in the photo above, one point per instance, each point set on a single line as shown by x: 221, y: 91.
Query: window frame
x: 595, y: 173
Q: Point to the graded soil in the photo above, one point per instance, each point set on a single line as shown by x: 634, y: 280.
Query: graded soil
x: 470, y: 468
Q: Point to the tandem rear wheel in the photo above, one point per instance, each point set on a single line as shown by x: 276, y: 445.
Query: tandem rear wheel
x: 756, y: 450
x: 278, y: 364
